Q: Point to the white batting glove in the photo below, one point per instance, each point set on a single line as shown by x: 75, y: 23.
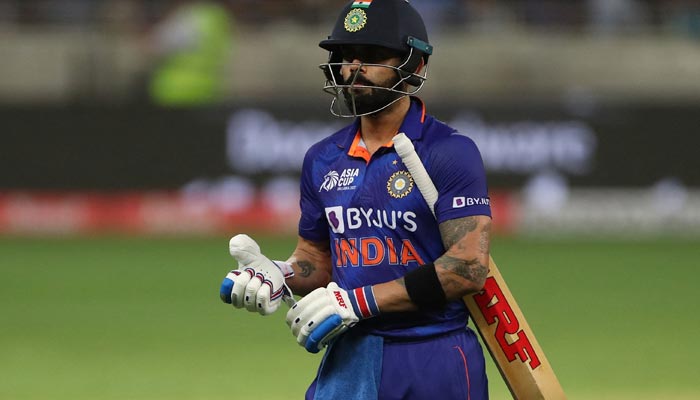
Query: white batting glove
x: 328, y: 312
x: 258, y: 283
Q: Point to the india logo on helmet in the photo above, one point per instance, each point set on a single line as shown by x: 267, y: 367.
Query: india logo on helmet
x: 355, y: 20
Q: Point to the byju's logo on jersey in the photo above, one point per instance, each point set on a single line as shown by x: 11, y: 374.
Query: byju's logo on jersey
x: 342, y: 220
x: 343, y: 181
x: 334, y: 215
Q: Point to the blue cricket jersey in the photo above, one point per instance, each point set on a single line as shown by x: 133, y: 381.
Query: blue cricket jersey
x: 378, y: 224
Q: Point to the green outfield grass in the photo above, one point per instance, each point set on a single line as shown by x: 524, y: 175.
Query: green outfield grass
x: 140, y: 318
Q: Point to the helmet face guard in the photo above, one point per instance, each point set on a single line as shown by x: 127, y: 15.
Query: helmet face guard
x: 408, y: 82
x: 392, y: 25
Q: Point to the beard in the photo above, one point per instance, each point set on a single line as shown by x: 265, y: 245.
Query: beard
x: 371, y: 100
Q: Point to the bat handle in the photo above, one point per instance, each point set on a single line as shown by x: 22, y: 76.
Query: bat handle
x: 289, y: 300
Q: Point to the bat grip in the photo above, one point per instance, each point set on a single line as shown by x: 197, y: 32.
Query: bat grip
x: 409, y: 157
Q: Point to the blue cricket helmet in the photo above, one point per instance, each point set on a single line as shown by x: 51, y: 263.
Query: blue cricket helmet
x: 393, y: 24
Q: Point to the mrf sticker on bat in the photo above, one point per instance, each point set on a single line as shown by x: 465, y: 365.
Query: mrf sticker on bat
x: 511, y: 338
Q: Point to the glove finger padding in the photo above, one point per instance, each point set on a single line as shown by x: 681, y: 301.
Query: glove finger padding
x: 325, y: 332
x: 227, y: 286
x: 305, y: 309
x: 250, y: 299
x: 266, y: 302
x: 310, y: 324
x: 240, y: 281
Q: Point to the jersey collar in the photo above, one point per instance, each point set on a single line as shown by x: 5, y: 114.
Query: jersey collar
x: 412, y: 126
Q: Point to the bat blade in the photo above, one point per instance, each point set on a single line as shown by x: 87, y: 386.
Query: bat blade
x: 511, y: 342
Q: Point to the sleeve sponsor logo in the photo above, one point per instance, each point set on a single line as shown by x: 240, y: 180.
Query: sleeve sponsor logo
x: 461, y: 201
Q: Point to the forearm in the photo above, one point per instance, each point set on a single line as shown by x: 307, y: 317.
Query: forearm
x: 463, y: 268
x: 460, y: 271
x: 460, y: 277
x: 311, y: 262
x: 393, y: 297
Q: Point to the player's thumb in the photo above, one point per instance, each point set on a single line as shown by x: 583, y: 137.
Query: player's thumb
x: 244, y: 249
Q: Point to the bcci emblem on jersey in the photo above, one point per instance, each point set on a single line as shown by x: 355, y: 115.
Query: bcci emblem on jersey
x: 399, y: 184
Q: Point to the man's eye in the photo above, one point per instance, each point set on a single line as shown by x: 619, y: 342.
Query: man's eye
x: 362, y: 59
x: 367, y: 57
x: 351, y: 57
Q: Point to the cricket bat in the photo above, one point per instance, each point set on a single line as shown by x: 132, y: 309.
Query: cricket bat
x: 496, y: 314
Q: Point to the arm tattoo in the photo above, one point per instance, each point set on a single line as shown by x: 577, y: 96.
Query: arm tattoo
x: 468, y: 269
x: 454, y: 230
x: 485, y: 239
x: 306, y: 267
x: 471, y: 270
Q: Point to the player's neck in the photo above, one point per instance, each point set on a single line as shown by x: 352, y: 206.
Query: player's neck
x: 378, y: 129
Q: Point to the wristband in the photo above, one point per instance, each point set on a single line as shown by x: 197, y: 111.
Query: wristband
x: 363, y: 302
x: 285, y: 267
x: 424, y: 288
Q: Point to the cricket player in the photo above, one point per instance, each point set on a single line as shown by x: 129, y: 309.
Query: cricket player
x: 382, y: 277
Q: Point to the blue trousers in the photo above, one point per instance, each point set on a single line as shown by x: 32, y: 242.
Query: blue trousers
x: 445, y: 367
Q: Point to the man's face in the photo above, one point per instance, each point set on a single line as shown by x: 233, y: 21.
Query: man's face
x: 365, y: 79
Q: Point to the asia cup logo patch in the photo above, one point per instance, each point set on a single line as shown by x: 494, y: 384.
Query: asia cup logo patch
x: 399, y: 184
x: 340, y: 181
x: 355, y: 20
x: 329, y: 181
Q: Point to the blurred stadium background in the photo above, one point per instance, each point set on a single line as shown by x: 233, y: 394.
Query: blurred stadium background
x: 137, y: 136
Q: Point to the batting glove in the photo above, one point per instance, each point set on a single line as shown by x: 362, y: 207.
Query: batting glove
x: 259, y: 283
x: 328, y: 312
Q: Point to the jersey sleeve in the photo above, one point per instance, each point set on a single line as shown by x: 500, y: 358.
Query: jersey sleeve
x: 457, y: 170
x: 312, y: 224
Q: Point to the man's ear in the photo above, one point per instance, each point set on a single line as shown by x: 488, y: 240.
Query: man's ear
x: 420, y: 66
